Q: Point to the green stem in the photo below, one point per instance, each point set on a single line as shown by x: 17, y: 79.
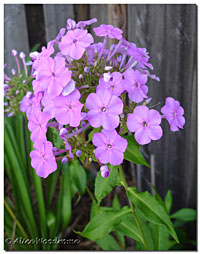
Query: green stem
x: 15, y: 219
x: 90, y: 194
x: 124, y: 182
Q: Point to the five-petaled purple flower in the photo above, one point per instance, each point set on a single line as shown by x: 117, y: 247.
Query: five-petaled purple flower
x: 109, y: 31
x: 110, y: 147
x: 145, y: 123
x: 42, y: 159
x: 53, y: 76
x: 173, y: 112
x: 104, y: 109
x: 114, y: 84
x: 75, y: 42
x: 38, y: 124
x: 135, y: 85
x: 68, y: 109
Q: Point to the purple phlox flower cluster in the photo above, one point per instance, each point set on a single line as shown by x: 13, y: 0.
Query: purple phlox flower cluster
x: 110, y: 147
x: 81, y: 84
x: 135, y: 85
x: 173, y: 112
x: 145, y: 123
x: 104, y: 109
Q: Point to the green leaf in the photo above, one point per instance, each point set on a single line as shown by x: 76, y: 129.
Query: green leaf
x: 168, y: 201
x: 66, y: 199
x: 133, y: 152
x: 78, y: 176
x: 54, y: 137
x: 185, y: 214
x: 120, y: 236
x: 103, y: 223
x: 160, y: 237
x: 129, y: 228
x: 108, y: 243
x: 146, y: 231
x: 104, y: 185
x: 151, y: 209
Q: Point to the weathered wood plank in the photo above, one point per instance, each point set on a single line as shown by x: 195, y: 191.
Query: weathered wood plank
x: 169, y: 34
x: 56, y: 16
x: 15, y: 33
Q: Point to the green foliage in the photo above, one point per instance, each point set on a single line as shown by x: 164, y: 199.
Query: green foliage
x: 168, y: 201
x: 103, y: 223
x: 151, y: 209
x: 185, y: 214
x: 103, y: 185
x: 133, y: 152
x: 52, y: 218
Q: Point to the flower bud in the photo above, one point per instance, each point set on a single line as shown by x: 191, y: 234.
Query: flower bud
x: 86, y: 69
x: 78, y: 153
x: 22, y: 55
x: 71, y: 24
x: 64, y: 160
x: 33, y: 55
x: 14, y: 52
x: 63, y: 132
x: 105, y: 171
x: 13, y: 72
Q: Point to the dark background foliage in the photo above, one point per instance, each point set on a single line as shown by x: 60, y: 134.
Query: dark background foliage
x: 169, y: 32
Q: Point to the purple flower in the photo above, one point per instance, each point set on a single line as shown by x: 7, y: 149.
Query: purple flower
x: 71, y: 24
x: 114, y: 84
x: 68, y: 109
x: 29, y: 103
x: 82, y: 24
x: 110, y: 147
x: 46, y: 52
x: 135, y: 85
x: 140, y: 55
x: 104, y: 109
x: 145, y: 123
x: 109, y: 31
x: 53, y: 76
x: 105, y: 171
x: 42, y: 159
x: 48, y: 104
x: 75, y: 42
x: 173, y: 112
x: 38, y: 124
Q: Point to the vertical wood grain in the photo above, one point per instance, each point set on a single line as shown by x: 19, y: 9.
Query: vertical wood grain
x: 56, y: 16
x: 15, y: 33
x: 169, y: 34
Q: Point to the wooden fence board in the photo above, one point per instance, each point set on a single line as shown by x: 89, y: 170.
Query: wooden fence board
x: 169, y: 34
x: 15, y: 33
x: 56, y: 16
